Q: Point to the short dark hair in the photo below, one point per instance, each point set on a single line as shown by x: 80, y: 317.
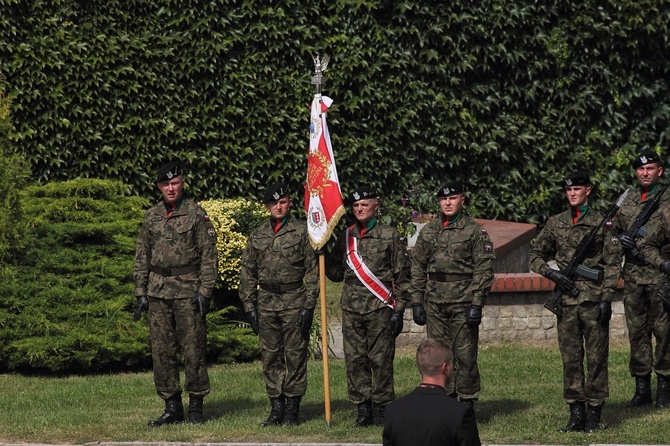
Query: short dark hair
x: 431, y: 354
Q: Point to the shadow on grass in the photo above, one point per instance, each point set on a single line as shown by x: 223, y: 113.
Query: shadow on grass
x: 615, y: 414
x: 485, y: 410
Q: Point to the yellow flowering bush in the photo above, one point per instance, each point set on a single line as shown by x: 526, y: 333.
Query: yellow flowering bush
x: 234, y: 219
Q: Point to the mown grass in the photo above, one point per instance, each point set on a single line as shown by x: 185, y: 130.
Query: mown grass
x: 520, y: 404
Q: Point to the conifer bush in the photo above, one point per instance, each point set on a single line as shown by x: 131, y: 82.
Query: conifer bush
x: 68, y: 298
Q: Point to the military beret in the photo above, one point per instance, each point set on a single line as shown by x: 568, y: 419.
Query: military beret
x: 646, y: 157
x: 578, y: 178
x: 362, y: 193
x: 452, y: 188
x: 275, y: 192
x: 169, y: 171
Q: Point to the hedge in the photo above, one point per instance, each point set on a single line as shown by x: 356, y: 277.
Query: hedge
x: 507, y: 95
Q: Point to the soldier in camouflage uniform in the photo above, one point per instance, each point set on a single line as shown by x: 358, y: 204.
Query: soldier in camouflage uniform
x: 369, y: 325
x: 584, y: 320
x: 452, y: 273
x: 279, y: 284
x: 644, y: 308
x: 175, y: 272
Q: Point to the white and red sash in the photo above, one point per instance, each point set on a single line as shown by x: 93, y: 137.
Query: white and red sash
x: 371, y: 282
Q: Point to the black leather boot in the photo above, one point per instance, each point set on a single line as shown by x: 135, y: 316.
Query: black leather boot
x: 276, y: 412
x: 642, y: 395
x: 195, y: 410
x: 468, y: 401
x: 364, y: 414
x: 577, y: 420
x: 593, y: 418
x: 174, y: 412
x: 291, y: 411
x: 378, y: 414
x: 663, y: 392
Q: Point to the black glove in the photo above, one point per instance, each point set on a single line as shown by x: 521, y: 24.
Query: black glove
x: 396, y: 323
x: 305, y: 322
x: 666, y: 304
x: 419, y: 314
x: 202, y: 303
x: 561, y: 280
x: 665, y: 267
x: 474, y: 316
x: 604, y: 313
x: 252, y: 317
x: 142, y: 305
x: 628, y: 243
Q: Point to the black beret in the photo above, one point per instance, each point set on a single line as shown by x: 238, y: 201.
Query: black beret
x: 578, y: 178
x: 362, y: 193
x: 275, y: 192
x: 169, y: 171
x: 452, y: 188
x: 646, y: 157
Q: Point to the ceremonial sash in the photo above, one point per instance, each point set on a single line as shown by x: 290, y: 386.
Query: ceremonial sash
x: 367, y: 278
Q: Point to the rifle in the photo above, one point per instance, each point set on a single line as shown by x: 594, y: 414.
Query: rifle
x: 575, y: 268
x: 637, y: 229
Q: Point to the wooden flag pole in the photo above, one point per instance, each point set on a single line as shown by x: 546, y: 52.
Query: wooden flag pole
x: 324, y: 336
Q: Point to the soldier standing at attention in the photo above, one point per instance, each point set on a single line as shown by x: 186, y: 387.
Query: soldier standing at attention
x: 585, y: 317
x: 371, y: 259
x: 279, y: 285
x: 644, y: 308
x: 452, y: 273
x: 175, y: 272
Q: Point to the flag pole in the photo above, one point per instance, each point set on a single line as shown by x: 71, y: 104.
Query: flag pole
x: 318, y: 80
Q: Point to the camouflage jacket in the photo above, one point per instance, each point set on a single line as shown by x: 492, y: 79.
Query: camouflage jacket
x: 559, y: 240
x: 461, y: 249
x: 187, y: 238
x: 275, y: 259
x: 634, y: 270
x: 655, y: 246
x: 384, y: 254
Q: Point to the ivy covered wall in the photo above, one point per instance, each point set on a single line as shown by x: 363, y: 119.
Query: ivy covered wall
x: 506, y: 95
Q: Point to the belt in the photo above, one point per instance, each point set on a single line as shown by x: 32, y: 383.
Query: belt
x: 444, y: 277
x: 280, y: 287
x: 174, y: 271
x: 353, y: 281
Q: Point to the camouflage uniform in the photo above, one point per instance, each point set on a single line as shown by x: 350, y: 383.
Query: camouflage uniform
x: 643, y: 306
x: 272, y: 263
x: 578, y: 326
x: 369, y: 344
x: 185, y: 240
x: 452, y: 269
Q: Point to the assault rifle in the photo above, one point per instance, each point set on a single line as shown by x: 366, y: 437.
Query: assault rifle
x: 575, y: 268
x: 637, y: 229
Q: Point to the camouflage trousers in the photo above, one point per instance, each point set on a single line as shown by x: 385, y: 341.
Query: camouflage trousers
x: 283, y: 353
x: 447, y: 321
x: 369, y: 350
x: 176, y: 324
x: 579, y: 332
x: 645, y: 316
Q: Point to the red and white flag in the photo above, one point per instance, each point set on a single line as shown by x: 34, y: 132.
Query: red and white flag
x: 323, y: 199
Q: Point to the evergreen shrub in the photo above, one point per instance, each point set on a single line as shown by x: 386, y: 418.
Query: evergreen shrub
x: 68, y: 298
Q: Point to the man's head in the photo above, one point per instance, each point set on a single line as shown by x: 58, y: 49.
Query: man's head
x: 364, y: 203
x: 434, y: 359
x: 277, y: 200
x: 648, y: 168
x: 451, y: 197
x: 170, y: 181
x: 578, y: 187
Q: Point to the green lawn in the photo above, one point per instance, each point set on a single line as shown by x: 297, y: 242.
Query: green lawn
x: 520, y: 404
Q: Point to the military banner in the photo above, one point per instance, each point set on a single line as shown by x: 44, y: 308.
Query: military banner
x: 323, y: 199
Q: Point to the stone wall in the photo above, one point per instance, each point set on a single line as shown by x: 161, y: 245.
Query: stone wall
x: 515, y: 312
